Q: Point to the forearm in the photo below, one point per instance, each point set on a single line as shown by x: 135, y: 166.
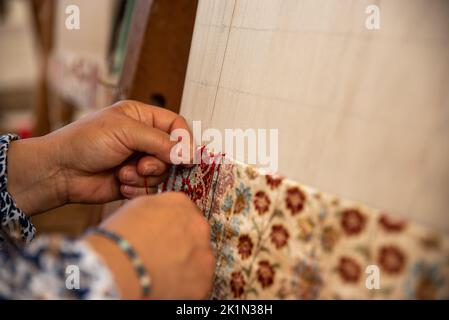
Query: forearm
x: 35, y: 180
x: 120, y: 266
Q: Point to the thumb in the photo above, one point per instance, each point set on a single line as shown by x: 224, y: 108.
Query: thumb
x: 146, y: 139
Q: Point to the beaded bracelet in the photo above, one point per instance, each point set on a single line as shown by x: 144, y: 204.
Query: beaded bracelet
x: 142, y: 273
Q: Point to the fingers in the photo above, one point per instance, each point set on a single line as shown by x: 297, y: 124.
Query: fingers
x: 198, y: 226
x: 165, y: 120
x: 160, y: 118
x: 141, y: 138
x: 145, y: 172
x: 149, y: 165
x: 134, y: 184
x: 201, y: 229
x: 169, y: 226
x: 133, y: 179
x: 130, y: 192
x: 202, y: 259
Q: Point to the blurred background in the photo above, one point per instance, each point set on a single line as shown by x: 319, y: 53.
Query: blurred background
x: 18, y: 62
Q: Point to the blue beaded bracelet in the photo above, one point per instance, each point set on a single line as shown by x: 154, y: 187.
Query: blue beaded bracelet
x: 142, y: 273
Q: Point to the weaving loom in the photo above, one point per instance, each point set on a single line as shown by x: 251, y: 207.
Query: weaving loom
x: 277, y: 239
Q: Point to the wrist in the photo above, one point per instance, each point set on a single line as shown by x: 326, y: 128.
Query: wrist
x: 119, y: 265
x: 35, y: 180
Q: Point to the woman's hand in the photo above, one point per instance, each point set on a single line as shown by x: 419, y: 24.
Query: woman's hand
x: 172, y: 240
x: 103, y: 157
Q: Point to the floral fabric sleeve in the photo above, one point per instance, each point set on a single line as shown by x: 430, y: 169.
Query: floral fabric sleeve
x: 49, y: 268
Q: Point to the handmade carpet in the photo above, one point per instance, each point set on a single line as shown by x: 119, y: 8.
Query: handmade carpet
x: 277, y: 239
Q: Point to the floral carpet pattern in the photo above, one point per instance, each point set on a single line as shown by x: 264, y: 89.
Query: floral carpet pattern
x: 277, y: 239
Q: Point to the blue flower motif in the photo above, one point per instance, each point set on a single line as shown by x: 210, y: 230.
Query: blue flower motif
x: 178, y: 185
x: 242, y: 200
x: 235, y: 225
x: 216, y: 231
x: 228, y: 255
x: 227, y: 203
x: 424, y: 281
x: 322, y: 213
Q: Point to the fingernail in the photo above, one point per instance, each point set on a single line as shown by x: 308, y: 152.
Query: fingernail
x: 128, y: 190
x: 127, y: 176
x: 148, y: 170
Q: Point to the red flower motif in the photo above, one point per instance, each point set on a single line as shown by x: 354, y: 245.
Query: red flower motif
x: 391, y: 224
x: 349, y: 270
x: 295, y: 200
x: 245, y: 246
x: 273, y: 181
x: 352, y: 221
x: 265, y: 274
x: 261, y: 202
x: 237, y: 284
x: 279, y: 236
x: 197, y: 193
x: 391, y: 259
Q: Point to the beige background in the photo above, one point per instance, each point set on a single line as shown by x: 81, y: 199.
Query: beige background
x: 92, y: 39
x: 362, y: 114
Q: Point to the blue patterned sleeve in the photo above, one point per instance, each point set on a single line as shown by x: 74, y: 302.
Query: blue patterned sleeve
x: 55, y: 267
x: 13, y: 221
x: 50, y: 267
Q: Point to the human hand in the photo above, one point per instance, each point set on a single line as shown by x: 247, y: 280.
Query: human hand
x: 172, y: 239
x: 103, y: 157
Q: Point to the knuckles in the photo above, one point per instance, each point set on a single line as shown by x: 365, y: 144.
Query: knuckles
x: 210, y: 263
x: 202, y: 227
x: 178, y: 198
x: 208, y: 273
x: 123, y: 104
